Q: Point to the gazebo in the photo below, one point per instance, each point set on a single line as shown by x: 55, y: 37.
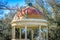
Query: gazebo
x: 30, y: 19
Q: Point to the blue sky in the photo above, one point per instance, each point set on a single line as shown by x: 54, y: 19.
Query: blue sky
x: 20, y: 3
x: 12, y: 3
x: 58, y: 1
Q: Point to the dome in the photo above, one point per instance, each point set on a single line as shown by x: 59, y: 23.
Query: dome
x: 29, y: 16
x: 30, y: 12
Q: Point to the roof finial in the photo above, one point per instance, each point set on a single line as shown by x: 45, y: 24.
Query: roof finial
x: 28, y: 2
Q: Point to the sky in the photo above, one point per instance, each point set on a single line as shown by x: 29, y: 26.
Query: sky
x: 20, y: 3
x: 58, y: 1
x: 11, y: 3
x: 14, y: 2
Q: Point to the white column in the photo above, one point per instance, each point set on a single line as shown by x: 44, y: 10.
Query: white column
x: 31, y: 34
x: 13, y: 33
x: 44, y: 34
x: 25, y: 32
x: 47, y: 34
x: 40, y: 32
x: 20, y: 33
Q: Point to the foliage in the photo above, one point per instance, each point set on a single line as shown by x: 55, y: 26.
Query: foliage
x: 54, y: 33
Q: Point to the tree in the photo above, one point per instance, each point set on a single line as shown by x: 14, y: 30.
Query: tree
x: 3, y: 4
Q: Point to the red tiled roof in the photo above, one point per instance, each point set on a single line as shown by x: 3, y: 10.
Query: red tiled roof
x: 30, y: 10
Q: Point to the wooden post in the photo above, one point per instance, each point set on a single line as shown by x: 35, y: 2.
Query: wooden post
x: 13, y: 33
x: 25, y: 32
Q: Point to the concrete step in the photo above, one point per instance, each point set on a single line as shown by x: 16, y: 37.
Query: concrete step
x: 19, y: 39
